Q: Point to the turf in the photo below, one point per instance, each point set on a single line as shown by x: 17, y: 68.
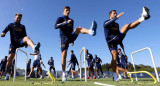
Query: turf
x: 75, y: 82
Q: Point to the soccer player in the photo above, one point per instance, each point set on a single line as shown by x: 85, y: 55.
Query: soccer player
x: 67, y: 35
x: 28, y: 67
x: 89, y: 59
x: 97, y: 61
x: 114, y: 36
x: 36, y: 63
x: 73, y: 62
x: 123, y: 59
x: 51, y: 64
x: 19, y: 38
x: 12, y: 68
x: 3, y: 66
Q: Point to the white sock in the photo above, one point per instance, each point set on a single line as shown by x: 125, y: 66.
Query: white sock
x: 119, y: 76
x: 63, y: 73
x: 141, y: 19
x: 40, y: 75
x: 90, y: 32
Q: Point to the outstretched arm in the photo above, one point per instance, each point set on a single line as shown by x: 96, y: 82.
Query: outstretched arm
x: 113, y: 20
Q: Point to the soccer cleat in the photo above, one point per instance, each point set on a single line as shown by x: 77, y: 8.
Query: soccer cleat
x: 41, y: 77
x: 94, y: 77
x: 145, y: 13
x: 64, y: 79
x: 87, y: 77
x: 6, y: 78
x: 37, y: 47
x: 93, y: 28
x: 120, y: 78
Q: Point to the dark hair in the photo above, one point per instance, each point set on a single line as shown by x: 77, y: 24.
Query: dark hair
x: 119, y: 49
x: 72, y: 51
x: 51, y: 57
x: 95, y: 55
x: 19, y: 14
x: 111, y: 11
x: 66, y: 7
x: 5, y: 56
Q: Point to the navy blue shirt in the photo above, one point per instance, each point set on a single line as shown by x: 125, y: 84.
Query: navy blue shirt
x: 111, y: 29
x: 65, y: 29
x: 89, y: 58
x: 3, y: 62
x: 73, y: 59
x: 51, y: 62
x: 97, y: 60
x: 122, y: 57
x: 28, y: 64
x: 17, y: 32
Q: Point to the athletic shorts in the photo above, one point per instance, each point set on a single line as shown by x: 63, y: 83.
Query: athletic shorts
x: 119, y: 64
x: 36, y: 63
x: 73, y: 66
x: 28, y: 69
x: 2, y: 69
x: 52, y: 67
x: 90, y: 64
x: 13, y: 47
x: 123, y: 65
x: 98, y: 66
x: 113, y: 43
x: 66, y: 40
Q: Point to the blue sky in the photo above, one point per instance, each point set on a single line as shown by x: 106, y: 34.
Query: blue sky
x: 39, y: 17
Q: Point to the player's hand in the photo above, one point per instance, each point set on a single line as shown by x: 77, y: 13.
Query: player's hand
x: 119, y: 15
x: 3, y: 34
x: 69, y: 21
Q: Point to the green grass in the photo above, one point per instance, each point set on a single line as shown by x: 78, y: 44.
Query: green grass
x: 20, y: 82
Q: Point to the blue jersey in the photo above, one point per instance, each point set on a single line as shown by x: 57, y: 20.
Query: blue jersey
x: 17, y: 32
x: 3, y: 62
x: 65, y: 28
x: 89, y: 57
x: 28, y: 64
x: 73, y: 60
x: 51, y: 62
x: 111, y: 29
x: 122, y: 57
x: 97, y: 60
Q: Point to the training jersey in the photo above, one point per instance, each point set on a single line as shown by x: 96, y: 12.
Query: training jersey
x: 89, y: 57
x: 51, y: 62
x: 122, y: 57
x: 28, y: 64
x: 37, y: 57
x: 97, y: 60
x: 65, y: 29
x: 3, y: 62
x: 73, y: 59
x: 17, y: 32
x: 111, y: 29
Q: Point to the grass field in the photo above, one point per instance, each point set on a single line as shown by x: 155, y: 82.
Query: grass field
x: 76, y: 82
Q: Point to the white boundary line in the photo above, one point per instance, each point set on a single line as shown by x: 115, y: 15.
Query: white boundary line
x: 97, y: 83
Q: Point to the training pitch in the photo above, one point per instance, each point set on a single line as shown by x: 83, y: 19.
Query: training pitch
x: 76, y: 82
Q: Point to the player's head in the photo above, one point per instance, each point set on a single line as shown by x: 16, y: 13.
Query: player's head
x: 66, y: 11
x: 112, y: 14
x: 72, y: 51
x: 51, y: 57
x: 95, y: 56
x: 29, y: 59
x: 119, y: 50
x: 86, y: 50
x: 5, y: 57
x: 18, y: 17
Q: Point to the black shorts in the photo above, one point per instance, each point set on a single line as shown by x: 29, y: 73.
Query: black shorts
x: 65, y: 41
x: 16, y: 45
